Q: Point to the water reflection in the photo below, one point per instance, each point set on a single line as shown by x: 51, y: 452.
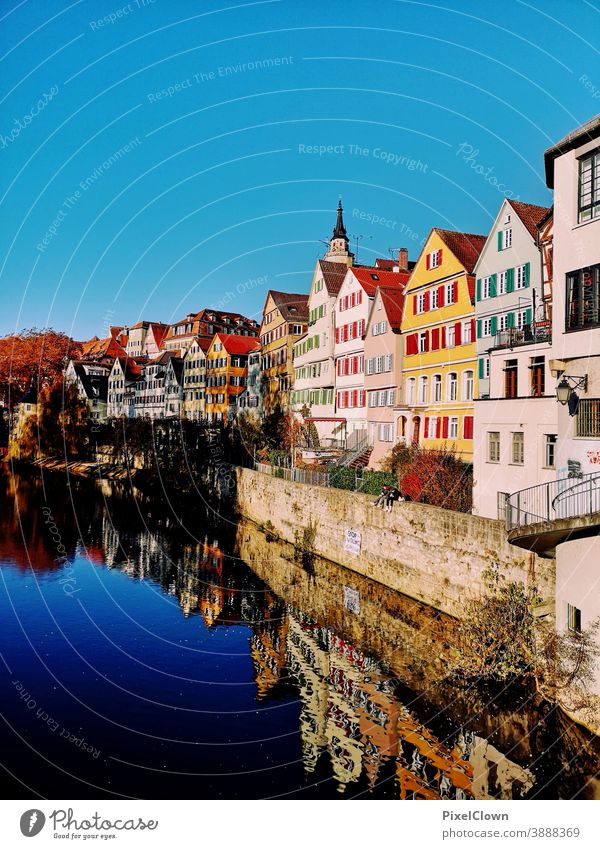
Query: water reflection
x: 371, y: 719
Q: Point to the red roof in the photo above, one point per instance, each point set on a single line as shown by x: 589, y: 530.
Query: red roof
x: 530, y: 214
x: 292, y: 305
x: 370, y: 278
x: 333, y: 275
x: 159, y: 331
x: 393, y: 304
x: 235, y: 344
x: 96, y: 348
x: 466, y: 247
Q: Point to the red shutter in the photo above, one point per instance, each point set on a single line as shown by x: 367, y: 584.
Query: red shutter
x: 426, y: 302
x: 455, y: 292
x: 445, y: 427
x: 355, y: 330
x: 443, y: 343
x: 426, y: 428
x: 472, y: 330
x: 435, y: 339
x: 355, y: 398
x: 457, y: 334
x: 411, y: 344
x: 359, y: 300
x: 427, y: 340
x: 339, y: 367
x: 347, y: 365
x: 438, y: 431
x: 441, y: 296
x: 337, y: 334
x: 440, y: 256
x: 427, y: 262
x: 468, y: 427
x: 346, y: 399
x: 414, y: 304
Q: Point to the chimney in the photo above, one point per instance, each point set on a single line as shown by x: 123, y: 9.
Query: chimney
x: 403, y: 259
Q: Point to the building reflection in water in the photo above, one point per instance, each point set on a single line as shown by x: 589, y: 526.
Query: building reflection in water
x: 358, y: 720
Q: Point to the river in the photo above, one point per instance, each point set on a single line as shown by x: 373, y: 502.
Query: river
x: 152, y: 649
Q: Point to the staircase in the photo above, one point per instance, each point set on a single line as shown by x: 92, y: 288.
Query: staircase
x: 358, y: 456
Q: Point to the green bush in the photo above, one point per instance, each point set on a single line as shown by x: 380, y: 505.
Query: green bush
x: 373, y: 482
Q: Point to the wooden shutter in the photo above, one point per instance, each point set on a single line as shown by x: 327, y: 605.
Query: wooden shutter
x: 426, y: 340
x: 510, y: 319
x: 526, y: 277
x: 414, y: 305
x: 438, y: 430
x: 411, y: 344
x: 445, y: 427
x: 455, y: 292
x: 493, y: 289
x: 426, y: 428
x: 426, y: 302
x: 499, y: 240
x: 441, y: 296
x: 472, y: 330
x: 479, y: 328
x: 510, y: 280
x: 468, y: 427
x: 493, y: 325
x: 440, y: 256
x: 480, y: 368
x: 443, y: 342
x: 428, y: 261
x: 478, y: 290
x: 457, y: 333
x: 435, y: 339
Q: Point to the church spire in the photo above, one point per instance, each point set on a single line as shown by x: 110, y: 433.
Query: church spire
x: 339, y: 242
x: 339, y: 231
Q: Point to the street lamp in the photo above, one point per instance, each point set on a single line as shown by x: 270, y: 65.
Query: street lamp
x: 567, y: 385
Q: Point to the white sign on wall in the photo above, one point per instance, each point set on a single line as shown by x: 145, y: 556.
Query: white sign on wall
x: 352, y: 599
x: 352, y: 540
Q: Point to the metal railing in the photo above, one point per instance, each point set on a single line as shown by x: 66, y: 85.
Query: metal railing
x: 294, y: 475
x: 358, y: 449
x: 514, y: 336
x: 564, y: 498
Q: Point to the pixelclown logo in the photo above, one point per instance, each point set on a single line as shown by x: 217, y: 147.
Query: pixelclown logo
x: 32, y: 822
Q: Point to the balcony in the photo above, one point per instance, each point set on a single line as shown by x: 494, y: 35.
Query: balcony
x: 541, y: 517
x: 512, y: 337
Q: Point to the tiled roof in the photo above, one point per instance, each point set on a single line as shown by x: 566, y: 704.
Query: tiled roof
x: 159, y: 331
x: 96, y: 348
x: 393, y: 304
x: 530, y: 214
x: 580, y: 135
x: 291, y: 305
x: 466, y: 247
x: 370, y: 278
x: 333, y: 275
x: 235, y: 344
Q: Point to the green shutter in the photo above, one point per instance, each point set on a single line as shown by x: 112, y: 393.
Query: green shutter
x: 526, y: 281
x: 493, y: 325
x: 510, y: 319
x: 510, y: 280
x: 493, y: 289
x: 478, y: 292
x: 528, y: 316
x: 479, y: 329
x: 316, y: 341
x: 480, y: 368
x: 499, y: 240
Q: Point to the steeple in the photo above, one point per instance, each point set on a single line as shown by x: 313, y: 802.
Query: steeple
x: 339, y: 231
x: 338, y: 244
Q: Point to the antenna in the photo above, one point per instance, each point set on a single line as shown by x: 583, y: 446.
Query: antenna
x: 358, y: 236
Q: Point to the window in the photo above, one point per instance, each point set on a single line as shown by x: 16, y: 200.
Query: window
x: 510, y: 378
x: 550, y: 451
x: 573, y: 618
x: 437, y: 388
x: 502, y: 283
x: 467, y: 332
x: 493, y: 446
x: 589, y: 186
x: 522, y: 319
x: 434, y: 259
x: 485, y: 288
x: 501, y: 499
x: 421, y: 302
x: 452, y: 386
x: 450, y: 293
x: 423, y: 390
x: 538, y: 372
x: 522, y: 276
x: 583, y: 298
x: 504, y: 239
x: 433, y: 299
x: 518, y: 448
x: 410, y: 390
x: 423, y: 342
x: 453, y: 432
x: 588, y: 418
x: 486, y: 327
x: 450, y: 336
x: 469, y: 385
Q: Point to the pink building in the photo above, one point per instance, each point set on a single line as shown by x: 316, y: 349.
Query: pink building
x: 352, y: 311
x: 383, y: 371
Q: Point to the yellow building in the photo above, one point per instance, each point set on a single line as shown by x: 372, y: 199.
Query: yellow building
x: 226, y: 374
x: 438, y: 326
x: 285, y: 319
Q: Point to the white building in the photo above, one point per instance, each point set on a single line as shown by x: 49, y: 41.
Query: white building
x: 515, y: 424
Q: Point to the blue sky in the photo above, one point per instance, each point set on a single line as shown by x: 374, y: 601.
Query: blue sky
x: 158, y: 157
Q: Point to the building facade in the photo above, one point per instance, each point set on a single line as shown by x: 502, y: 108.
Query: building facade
x: 515, y: 409
x: 122, y: 380
x: 91, y: 380
x: 194, y: 380
x: 438, y: 326
x: 383, y: 371
x: 285, y: 319
x: 226, y: 374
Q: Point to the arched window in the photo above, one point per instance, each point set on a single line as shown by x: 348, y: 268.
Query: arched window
x: 469, y: 385
x: 452, y: 386
x: 410, y: 390
x: 423, y: 386
x: 437, y: 388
